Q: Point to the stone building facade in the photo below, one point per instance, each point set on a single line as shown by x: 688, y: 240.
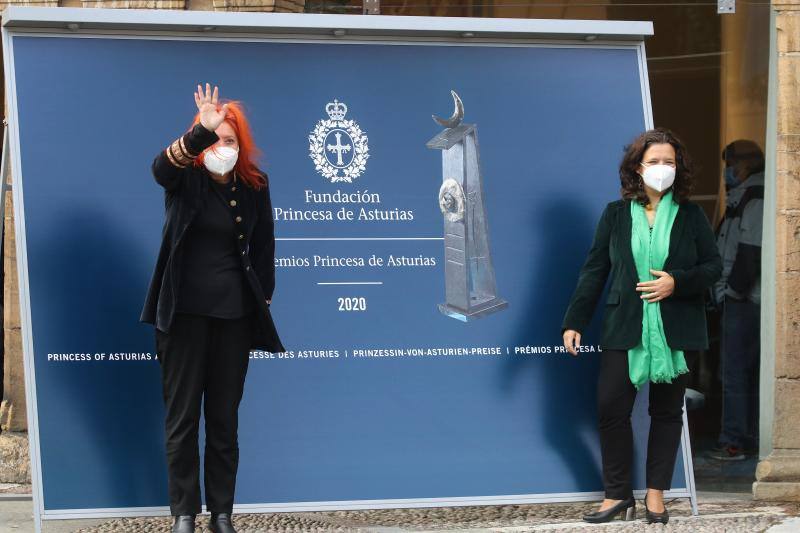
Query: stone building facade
x: 778, y: 474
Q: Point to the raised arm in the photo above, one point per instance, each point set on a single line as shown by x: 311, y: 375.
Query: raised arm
x: 169, y: 163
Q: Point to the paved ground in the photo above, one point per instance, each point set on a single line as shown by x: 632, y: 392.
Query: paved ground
x: 719, y: 512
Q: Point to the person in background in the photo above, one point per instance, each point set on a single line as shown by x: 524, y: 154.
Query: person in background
x: 738, y: 296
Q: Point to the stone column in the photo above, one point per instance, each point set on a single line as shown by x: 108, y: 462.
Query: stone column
x: 778, y: 475
x: 12, y: 409
x: 14, y: 459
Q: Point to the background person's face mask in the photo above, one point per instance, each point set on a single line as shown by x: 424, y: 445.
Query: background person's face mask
x: 658, y: 177
x: 220, y: 160
x: 731, y: 180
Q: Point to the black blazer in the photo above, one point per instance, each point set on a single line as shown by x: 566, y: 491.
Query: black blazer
x: 185, y: 190
x: 693, y: 262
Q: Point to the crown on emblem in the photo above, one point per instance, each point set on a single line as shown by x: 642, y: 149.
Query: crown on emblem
x: 336, y: 110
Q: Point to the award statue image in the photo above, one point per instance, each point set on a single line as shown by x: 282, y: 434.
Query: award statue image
x: 470, y: 287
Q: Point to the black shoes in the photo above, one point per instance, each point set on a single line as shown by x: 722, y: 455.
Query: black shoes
x: 183, y: 524
x: 626, y: 509
x: 221, y: 523
x: 655, y: 518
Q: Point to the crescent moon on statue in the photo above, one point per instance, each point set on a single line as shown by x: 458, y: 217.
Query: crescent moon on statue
x: 458, y: 114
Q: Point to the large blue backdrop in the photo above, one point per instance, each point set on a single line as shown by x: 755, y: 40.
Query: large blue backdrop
x: 368, y: 404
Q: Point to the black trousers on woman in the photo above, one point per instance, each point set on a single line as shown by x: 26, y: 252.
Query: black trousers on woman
x: 203, y: 361
x: 615, y: 397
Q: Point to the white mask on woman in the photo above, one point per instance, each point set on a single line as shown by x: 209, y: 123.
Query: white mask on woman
x: 220, y: 160
x: 658, y: 177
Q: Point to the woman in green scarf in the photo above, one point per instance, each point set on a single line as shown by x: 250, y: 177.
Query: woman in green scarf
x: 659, y: 253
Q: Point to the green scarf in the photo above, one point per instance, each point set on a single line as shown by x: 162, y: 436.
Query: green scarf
x: 653, y: 359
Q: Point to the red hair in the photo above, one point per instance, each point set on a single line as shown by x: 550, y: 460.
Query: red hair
x: 248, y: 151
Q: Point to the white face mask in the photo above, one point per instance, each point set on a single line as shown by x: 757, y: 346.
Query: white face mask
x: 659, y: 177
x: 220, y: 160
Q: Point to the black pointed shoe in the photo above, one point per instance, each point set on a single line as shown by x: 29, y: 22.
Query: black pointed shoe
x: 626, y: 509
x: 655, y: 518
x: 221, y: 523
x: 183, y: 524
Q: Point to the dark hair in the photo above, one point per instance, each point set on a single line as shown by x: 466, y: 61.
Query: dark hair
x: 631, y: 181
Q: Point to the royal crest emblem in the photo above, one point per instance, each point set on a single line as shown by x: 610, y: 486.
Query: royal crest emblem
x: 337, y: 146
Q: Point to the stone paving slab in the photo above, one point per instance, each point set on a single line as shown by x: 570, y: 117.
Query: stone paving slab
x: 715, y: 516
x: 792, y: 525
x: 14, y: 488
x: 718, y: 513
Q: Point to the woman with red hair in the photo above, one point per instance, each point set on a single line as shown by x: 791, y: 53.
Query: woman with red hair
x: 209, y: 300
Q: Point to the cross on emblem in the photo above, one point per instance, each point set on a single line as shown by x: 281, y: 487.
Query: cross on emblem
x: 331, y: 139
x: 339, y: 148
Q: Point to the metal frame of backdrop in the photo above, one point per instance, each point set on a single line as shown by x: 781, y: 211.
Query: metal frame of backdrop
x: 333, y: 29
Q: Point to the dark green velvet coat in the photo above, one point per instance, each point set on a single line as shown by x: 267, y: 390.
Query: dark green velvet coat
x: 693, y: 262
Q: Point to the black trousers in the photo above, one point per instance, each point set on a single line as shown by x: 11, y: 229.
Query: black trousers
x: 615, y: 397
x: 203, y: 361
